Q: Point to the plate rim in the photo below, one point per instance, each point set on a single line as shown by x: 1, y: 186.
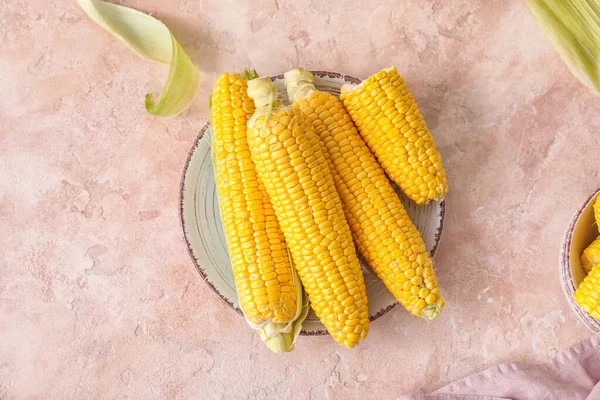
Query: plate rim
x: 565, y: 274
x: 202, y: 272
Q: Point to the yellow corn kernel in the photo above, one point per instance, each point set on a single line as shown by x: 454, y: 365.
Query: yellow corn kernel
x: 395, y: 130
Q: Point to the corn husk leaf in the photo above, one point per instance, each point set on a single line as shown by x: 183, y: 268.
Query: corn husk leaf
x: 152, y: 40
x: 574, y: 28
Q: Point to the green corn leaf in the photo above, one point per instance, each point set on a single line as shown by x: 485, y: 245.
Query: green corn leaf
x: 574, y: 28
x: 152, y: 40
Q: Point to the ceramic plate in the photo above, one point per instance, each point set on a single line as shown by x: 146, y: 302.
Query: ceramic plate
x: 205, y: 239
x: 581, y: 233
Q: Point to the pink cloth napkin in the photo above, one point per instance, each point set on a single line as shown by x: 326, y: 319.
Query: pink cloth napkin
x: 572, y: 375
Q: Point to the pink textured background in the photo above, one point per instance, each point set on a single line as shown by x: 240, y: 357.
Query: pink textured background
x: 98, y: 296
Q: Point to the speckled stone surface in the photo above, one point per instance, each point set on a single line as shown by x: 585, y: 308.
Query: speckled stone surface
x: 98, y: 296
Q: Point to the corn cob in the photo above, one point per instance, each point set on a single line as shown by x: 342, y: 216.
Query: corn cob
x: 389, y: 120
x: 587, y: 294
x: 292, y: 164
x: 269, y: 289
x: 381, y: 228
x: 591, y: 255
x: 597, y: 211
